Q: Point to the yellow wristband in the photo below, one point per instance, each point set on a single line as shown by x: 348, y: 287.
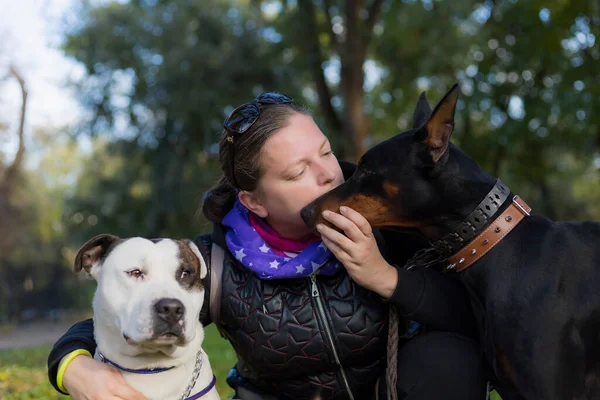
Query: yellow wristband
x: 65, y: 363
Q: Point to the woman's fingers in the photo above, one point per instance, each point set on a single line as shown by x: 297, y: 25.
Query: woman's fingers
x: 337, y: 251
x: 335, y: 237
x: 345, y: 224
x: 359, y: 221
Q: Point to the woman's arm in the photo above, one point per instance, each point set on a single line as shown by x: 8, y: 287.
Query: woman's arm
x: 435, y: 300
x: 84, y: 377
x: 79, y: 337
x: 438, y: 301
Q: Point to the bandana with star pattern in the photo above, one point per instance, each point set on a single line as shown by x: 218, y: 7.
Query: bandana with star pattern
x: 251, y: 250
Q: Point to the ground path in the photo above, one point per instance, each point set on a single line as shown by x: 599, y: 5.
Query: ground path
x: 33, y: 334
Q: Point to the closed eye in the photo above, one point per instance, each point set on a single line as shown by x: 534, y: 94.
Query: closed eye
x: 296, y: 176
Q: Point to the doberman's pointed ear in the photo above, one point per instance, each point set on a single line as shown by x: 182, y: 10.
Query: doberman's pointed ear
x: 440, y: 125
x: 93, y: 250
x: 422, y: 111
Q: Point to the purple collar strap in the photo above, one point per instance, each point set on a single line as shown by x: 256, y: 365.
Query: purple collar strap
x: 205, y: 390
x: 143, y: 371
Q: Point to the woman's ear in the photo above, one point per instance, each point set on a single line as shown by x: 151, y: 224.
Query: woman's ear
x: 252, y: 202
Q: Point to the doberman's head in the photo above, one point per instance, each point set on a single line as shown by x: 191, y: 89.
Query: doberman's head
x: 414, y: 180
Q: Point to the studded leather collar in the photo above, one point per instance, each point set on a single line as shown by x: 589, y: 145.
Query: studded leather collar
x: 476, y: 234
x: 471, y: 226
x: 491, y: 236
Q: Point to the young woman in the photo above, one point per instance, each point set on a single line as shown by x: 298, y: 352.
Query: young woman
x: 306, y: 315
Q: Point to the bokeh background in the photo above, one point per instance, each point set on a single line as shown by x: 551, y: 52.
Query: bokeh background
x: 110, y: 113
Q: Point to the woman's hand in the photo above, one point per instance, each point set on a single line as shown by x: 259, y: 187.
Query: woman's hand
x: 358, y: 251
x: 88, y: 379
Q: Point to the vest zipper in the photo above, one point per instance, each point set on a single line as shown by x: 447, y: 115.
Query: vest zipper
x: 321, y: 310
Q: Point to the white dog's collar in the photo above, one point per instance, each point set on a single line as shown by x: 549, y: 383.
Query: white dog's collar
x: 197, y: 368
x: 205, y: 390
x: 143, y: 371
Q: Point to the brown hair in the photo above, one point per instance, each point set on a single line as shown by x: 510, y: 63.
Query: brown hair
x: 219, y: 200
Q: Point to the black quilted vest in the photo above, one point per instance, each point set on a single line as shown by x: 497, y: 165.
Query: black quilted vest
x: 297, y: 338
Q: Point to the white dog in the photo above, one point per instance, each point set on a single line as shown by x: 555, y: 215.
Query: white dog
x: 146, y: 314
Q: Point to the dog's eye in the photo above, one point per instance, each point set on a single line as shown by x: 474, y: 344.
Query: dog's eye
x: 185, y: 273
x: 135, y: 273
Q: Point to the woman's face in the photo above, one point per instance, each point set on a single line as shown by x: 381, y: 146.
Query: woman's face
x: 298, y: 166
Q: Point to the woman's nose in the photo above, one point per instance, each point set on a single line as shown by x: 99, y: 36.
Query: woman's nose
x: 326, y: 175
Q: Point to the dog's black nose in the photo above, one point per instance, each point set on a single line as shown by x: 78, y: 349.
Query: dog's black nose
x: 170, y: 310
x: 307, y: 214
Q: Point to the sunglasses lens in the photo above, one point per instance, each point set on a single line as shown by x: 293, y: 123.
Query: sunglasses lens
x: 274, y: 98
x: 245, y: 115
x: 242, y: 118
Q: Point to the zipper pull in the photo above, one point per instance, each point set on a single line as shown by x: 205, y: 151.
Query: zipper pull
x: 314, y: 288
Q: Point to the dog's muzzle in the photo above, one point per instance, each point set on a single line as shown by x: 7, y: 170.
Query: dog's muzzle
x: 170, y: 311
x: 168, y: 320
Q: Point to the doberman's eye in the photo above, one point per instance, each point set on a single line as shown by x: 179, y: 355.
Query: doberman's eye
x: 135, y: 273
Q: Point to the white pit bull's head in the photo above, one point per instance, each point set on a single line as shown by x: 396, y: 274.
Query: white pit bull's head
x: 149, y: 290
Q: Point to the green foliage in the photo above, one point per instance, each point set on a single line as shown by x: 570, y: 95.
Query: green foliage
x: 163, y: 74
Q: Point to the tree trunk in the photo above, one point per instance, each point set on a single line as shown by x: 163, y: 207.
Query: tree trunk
x: 13, y: 169
x: 352, y: 49
x: 167, y: 175
x: 315, y: 61
x: 354, y: 126
x: 10, y: 213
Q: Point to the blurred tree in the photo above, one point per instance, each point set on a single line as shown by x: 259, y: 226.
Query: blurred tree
x: 161, y: 77
x: 11, y: 177
x: 163, y: 74
x: 33, y: 269
x: 12, y: 206
x: 530, y: 85
x: 358, y: 56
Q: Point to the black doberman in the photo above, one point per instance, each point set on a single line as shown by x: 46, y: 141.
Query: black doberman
x: 534, y: 283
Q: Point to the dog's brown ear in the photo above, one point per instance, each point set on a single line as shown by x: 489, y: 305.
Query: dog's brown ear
x: 202, y: 265
x: 440, y: 125
x: 94, y: 249
x: 422, y: 111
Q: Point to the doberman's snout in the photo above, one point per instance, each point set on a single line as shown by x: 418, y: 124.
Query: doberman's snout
x: 308, y: 214
x: 169, y: 310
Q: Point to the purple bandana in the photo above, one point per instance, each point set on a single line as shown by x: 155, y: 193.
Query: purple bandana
x: 251, y: 250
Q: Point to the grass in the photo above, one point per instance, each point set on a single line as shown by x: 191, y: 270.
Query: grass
x: 23, y: 372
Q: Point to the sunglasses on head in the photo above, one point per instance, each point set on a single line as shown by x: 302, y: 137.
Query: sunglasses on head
x: 244, y: 116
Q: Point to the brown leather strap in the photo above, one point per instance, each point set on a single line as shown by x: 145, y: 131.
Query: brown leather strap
x: 490, y: 236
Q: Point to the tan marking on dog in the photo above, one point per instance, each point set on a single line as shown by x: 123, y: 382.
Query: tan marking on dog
x: 391, y: 189
x: 189, y: 260
x: 377, y: 211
